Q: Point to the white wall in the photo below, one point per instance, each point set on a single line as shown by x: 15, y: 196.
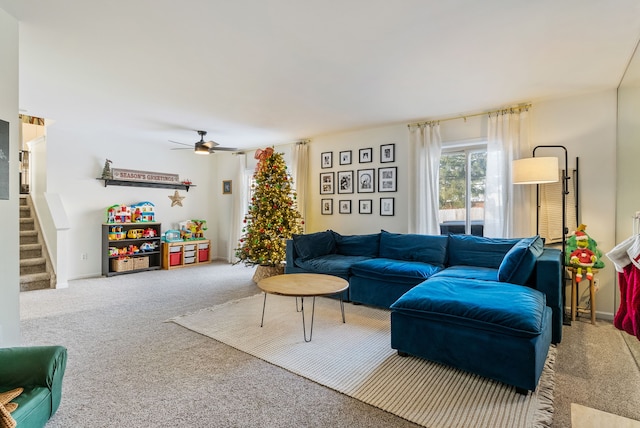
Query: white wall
x: 9, y: 211
x: 73, y: 163
x: 586, y: 126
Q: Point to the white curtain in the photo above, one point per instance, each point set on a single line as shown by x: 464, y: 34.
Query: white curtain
x: 300, y: 173
x: 425, y: 147
x: 507, y: 211
x: 239, y: 207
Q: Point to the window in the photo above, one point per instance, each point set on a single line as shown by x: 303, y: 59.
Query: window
x: 462, y: 183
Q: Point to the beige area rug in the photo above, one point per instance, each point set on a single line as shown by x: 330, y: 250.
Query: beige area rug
x: 356, y: 359
x: 586, y: 417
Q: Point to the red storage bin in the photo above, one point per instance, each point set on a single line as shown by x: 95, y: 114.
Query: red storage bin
x: 203, y: 255
x: 174, y: 259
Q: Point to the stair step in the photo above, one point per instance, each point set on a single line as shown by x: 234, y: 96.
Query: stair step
x: 27, y: 224
x: 25, y: 211
x: 28, y: 237
x: 31, y: 266
x: 23, y: 200
x: 35, y: 281
x: 30, y: 251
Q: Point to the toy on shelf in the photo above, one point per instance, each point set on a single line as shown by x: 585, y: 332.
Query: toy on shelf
x: 193, y: 229
x: 149, y: 233
x: 171, y: 235
x: 582, y: 253
x: 116, y: 233
x: 137, y: 213
x: 135, y: 233
x: 148, y: 246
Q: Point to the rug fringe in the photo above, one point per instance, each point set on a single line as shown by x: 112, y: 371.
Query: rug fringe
x: 543, y: 417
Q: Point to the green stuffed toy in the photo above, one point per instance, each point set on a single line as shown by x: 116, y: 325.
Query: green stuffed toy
x: 582, y: 253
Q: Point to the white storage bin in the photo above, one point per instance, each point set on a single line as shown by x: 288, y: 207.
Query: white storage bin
x: 188, y: 260
x: 189, y: 253
x: 175, y: 249
x: 190, y: 247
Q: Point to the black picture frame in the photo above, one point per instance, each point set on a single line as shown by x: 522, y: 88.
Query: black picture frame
x: 345, y: 181
x: 365, y: 206
x: 367, y: 180
x: 326, y: 160
x: 326, y: 206
x: 387, y: 153
x: 327, y: 183
x: 365, y: 155
x: 388, y: 179
x: 387, y: 206
x: 345, y: 157
x: 344, y: 206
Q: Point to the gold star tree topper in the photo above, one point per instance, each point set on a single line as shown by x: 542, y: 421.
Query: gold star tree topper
x: 176, y: 199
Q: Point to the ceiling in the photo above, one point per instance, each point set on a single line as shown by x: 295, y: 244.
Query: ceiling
x: 262, y: 72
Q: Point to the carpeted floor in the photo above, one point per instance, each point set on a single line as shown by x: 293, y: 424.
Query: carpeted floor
x: 355, y: 358
x: 128, y: 367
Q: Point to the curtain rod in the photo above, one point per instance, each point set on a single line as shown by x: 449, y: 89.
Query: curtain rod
x: 465, y: 116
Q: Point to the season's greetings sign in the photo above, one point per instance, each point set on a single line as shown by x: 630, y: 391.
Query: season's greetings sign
x: 146, y: 176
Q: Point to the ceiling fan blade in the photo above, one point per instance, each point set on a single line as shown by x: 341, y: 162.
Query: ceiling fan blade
x: 183, y: 144
x: 211, y: 143
x: 223, y: 149
x: 182, y: 148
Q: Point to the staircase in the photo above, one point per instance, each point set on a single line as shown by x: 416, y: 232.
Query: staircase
x: 35, y: 268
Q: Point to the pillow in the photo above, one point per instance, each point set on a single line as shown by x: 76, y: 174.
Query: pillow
x: 470, y: 250
x: 357, y: 245
x: 413, y: 247
x: 6, y: 407
x: 314, y: 245
x: 518, y: 263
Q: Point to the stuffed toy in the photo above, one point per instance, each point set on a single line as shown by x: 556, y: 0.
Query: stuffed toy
x: 582, y: 253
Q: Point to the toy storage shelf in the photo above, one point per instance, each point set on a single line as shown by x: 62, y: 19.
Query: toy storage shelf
x: 131, y: 262
x: 185, y: 253
x: 109, y: 182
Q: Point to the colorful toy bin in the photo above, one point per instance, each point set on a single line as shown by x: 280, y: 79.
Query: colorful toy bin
x: 137, y: 213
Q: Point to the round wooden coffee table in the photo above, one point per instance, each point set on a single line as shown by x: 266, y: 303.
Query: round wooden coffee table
x: 303, y: 285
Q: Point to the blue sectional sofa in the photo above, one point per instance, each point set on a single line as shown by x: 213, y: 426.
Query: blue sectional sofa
x: 486, y: 305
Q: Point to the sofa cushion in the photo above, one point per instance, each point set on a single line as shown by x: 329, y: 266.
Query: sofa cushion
x: 430, y: 249
x: 469, y: 272
x: 314, y: 245
x: 357, y: 245
x: 519, y: 262
x: 404, y: 272
x: 484, y: 305
x: 472, y: 250
x: 34, y: 406
x: 330, y: 264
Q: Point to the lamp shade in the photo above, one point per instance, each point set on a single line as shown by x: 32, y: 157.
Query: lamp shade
x: 535, y: 170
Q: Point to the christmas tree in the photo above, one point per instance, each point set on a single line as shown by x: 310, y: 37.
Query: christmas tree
x: 272, y: 217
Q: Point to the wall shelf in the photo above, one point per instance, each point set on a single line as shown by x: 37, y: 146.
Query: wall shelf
x: 180, y: 186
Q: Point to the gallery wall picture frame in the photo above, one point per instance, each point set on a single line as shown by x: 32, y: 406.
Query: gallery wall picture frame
x: 326, y: 183
x: 327, y: 206
x: 344, y: 206
x: 365, y: 206
x: 387, y: 206
x: 387, y: 153
x: 326, y: 160
x: 345, y: 181
x: 345, y: 157
x: 365, y: 155
x: 226, y: 187
x: 388, y: 179
x: 366, y: 180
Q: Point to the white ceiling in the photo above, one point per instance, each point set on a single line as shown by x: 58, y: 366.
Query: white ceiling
x: 258, y: 72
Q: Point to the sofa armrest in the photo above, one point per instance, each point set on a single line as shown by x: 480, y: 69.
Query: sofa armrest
x: 549, y: 281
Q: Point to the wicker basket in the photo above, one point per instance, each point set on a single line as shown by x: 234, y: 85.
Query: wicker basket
x: 263, y: 272
x: 122, y: 265
x: 141, y: 263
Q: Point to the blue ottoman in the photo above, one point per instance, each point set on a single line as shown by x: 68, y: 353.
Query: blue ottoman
x: 494, y: 329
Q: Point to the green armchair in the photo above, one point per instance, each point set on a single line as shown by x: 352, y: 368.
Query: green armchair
x: 39, y: 370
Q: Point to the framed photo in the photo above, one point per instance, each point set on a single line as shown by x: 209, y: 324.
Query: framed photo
x: 387, y: 179
x: 387, y: 153
x: 366, y: 155
x: 366, y: 180
x: 366, y: 206
x: 226, y: 187
x: 345, y: 181
x: 345, y: 157
x: 327, y: 206
x: 386, y: 206
x: 326, y: 160
x: 326, y: 183
x: 344, y: 207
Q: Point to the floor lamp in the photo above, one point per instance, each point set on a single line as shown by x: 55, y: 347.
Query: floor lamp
x: 541, y: 170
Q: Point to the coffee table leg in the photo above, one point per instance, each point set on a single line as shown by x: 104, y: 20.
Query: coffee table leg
x: 342, y: 309
x: 313, y: 311
x: 264, y: 303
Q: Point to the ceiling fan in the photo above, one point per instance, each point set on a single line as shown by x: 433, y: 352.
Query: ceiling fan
x: 204, y: 147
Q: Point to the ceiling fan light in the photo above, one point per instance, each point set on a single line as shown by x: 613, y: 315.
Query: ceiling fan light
x: 201, y: 150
